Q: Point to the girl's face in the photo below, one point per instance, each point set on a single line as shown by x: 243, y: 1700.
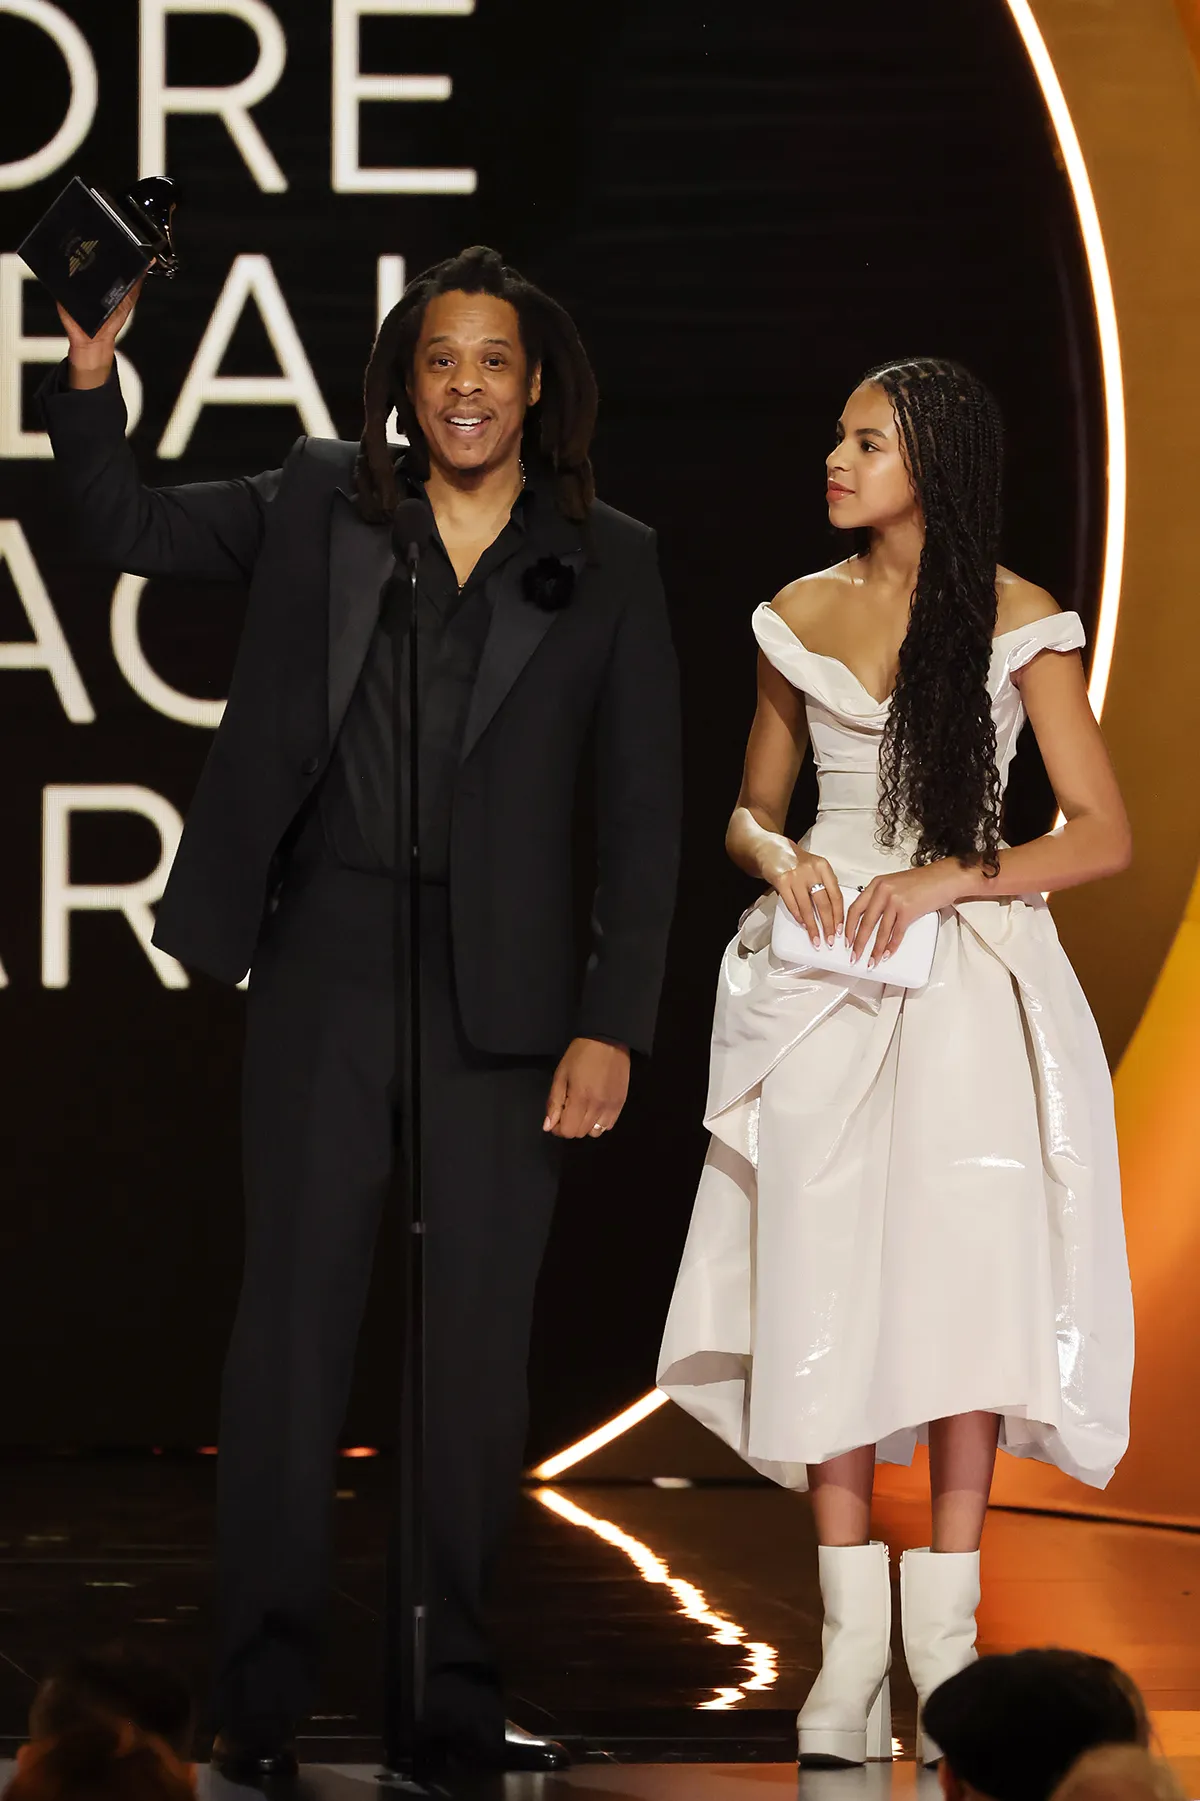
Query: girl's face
x: 867, y: 477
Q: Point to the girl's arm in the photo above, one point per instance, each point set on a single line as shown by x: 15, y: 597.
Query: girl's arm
x: 756, y: 839
x: 1094, y: 839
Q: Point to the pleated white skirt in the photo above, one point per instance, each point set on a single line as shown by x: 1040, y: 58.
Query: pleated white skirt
x: 910, y: 1209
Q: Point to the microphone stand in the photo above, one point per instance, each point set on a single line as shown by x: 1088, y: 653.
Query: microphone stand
x: 406, y: 1661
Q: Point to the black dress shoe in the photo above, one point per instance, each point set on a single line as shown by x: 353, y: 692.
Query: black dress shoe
x: 525, y: 1751
x: 442, y: 1757
x: 253, y: 1765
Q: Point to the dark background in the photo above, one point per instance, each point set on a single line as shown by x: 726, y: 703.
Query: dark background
x: 743, y: 208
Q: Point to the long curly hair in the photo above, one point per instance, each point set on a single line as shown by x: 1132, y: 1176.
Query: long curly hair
x: 938, y: 775
x: 558, y: 430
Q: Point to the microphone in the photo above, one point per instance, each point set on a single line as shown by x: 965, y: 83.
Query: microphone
x: 412, y: 529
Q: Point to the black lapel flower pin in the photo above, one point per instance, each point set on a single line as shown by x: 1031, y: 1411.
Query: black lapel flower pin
x: 549, y: 583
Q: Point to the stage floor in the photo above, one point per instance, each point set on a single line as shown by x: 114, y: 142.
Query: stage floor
x: 611, y: 1782
x: 673, y: 1627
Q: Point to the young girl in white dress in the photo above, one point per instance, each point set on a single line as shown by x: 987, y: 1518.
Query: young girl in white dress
x: 909, y: 1222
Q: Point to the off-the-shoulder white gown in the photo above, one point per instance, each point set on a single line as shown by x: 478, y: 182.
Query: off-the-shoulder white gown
x: 911, y: 1202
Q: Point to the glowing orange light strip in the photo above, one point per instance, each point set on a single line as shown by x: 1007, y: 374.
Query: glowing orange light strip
x: 762, y: 1660
x: 603, y: 1435
x: 1110, y: 345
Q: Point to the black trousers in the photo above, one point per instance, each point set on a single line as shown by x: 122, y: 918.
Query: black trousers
x: 319, y: 1107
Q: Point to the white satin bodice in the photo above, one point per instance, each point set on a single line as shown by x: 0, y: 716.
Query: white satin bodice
x: 846, y: 726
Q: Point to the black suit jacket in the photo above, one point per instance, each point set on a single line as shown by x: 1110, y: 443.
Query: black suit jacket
x: 547, y: 680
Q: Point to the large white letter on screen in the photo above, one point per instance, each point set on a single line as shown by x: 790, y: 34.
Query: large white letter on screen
x: 390, y: 282
x: 231, y: 104
x: 351, y: 88
x: 47, y: 649
x: 389, y: 288
x: 251, y: 278
x: 81, y: 108
x: 16, y: 350
x: 136, y: 667
x: 61, y: 897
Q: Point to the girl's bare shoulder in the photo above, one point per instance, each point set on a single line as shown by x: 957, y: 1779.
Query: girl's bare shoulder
x: 805, y: 602
x: 1019, y: 602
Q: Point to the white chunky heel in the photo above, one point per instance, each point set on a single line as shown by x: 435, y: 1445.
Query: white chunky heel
x: 879, y: 1723
x: 847, y: 1717
x: 939, y: 1593
x: 926, y: 1751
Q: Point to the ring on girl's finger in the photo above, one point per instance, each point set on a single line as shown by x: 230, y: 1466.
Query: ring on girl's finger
x: 597, y: 1127
x: 817, y: 888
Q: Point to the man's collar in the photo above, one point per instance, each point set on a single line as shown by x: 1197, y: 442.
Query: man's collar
x: 553, y: 532
x: 535, y: 511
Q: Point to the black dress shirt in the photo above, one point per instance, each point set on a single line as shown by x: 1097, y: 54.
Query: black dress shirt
x: 356, y: 806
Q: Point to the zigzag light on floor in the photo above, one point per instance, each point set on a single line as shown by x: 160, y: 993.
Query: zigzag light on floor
x: 762, y: 1660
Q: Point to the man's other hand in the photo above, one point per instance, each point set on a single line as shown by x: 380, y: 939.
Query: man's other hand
x: 588, y: 1090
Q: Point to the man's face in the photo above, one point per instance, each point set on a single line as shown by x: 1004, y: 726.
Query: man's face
x: 470, y: 385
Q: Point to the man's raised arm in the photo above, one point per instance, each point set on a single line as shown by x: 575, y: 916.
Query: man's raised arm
x: 208, y: 530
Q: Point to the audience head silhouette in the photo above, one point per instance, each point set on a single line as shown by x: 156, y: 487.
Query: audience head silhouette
x: 1120, y: 1773
x: 100, y: 1759
x: 1010, y: 1728
x: 122, y: 1683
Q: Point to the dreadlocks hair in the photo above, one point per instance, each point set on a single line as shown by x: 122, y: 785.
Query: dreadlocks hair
x: 938, y: 775
x: 558, y: 430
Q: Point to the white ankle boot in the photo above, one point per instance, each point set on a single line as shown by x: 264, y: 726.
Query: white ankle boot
x: 847, y: 1717
x: 939, y: 1592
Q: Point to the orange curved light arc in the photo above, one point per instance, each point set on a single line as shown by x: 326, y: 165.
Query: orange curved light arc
x: 1109, y: 340
x: 603, y: 1435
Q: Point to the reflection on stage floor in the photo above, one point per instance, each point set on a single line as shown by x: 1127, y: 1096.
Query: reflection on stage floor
x: 674, y: 1626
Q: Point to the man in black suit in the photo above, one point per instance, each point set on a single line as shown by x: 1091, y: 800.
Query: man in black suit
x: 541, y: 629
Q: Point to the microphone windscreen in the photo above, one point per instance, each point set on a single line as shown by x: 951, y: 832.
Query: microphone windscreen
x: 412, y: 529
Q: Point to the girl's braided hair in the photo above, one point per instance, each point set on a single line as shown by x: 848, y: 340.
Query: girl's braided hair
x: 938, y: 775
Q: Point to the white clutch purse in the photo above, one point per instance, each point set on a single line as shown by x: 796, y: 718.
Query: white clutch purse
x: 907, y: 967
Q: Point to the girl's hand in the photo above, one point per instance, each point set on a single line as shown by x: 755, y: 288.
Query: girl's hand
x: 893, y: 901
x: 807, y: 887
